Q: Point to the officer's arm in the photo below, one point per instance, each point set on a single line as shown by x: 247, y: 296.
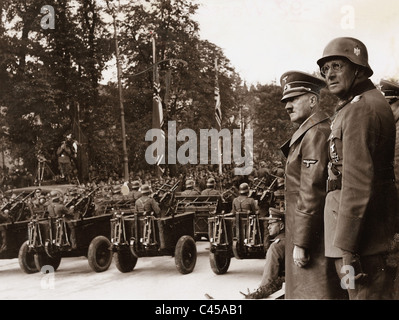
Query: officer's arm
x: 312, y: 190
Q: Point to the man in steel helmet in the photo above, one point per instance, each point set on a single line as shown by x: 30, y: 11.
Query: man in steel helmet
x: 210, y: 188
x: 190, y: 191
x: 360, y: 212
x: 243, y: 203
x: 308, y: 273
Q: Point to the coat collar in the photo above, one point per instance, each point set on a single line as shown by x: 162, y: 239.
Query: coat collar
x: 310, y: 122
x: 356, y: 91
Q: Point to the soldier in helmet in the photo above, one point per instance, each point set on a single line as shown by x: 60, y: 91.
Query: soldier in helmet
x: 360, y: 215
x: 146, y: 203
x: 190, y: 191
x: 243, y: 203
x: 307, y: 271
x: 210, y: 188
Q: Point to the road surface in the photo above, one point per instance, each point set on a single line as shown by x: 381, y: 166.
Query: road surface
x: 154, y: 278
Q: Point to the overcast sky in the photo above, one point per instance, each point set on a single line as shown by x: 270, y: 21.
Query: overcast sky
x: 265, y: 38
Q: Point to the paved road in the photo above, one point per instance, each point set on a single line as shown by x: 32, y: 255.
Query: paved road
x: 154, y: 278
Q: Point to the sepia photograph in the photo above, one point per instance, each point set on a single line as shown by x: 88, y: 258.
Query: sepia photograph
x: 199, y: 154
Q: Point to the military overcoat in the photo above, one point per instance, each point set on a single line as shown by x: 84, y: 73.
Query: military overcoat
x: 305, y: 191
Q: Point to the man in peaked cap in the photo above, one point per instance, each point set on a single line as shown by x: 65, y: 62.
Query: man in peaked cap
x: 307, y: 272
x: 273, y: 272
x: 360, y: 214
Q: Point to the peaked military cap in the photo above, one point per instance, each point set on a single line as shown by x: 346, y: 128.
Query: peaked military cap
x: 297, y: 83
x: 275, y: 215
x: 390, y: 89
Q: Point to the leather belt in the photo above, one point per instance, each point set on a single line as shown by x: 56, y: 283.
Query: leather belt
x: 334, y: 184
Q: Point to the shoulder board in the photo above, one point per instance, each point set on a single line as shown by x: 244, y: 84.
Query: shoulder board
x: 356, y: 98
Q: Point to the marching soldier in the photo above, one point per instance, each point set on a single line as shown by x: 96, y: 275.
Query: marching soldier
x: 307, y: 272
x: 210, y: 188
x: 145, y: 203
x: 361, y: 215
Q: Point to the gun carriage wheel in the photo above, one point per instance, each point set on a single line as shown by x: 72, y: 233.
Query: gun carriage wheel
x: 185, y: 254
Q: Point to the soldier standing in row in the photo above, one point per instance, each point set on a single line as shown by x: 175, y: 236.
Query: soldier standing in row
x: 361, y: 215
x: 307, y: 270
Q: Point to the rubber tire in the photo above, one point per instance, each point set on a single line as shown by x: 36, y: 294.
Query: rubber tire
x: 236, y: 250
x: 185, y: 254
x: 220, y: 262
x: 124, y: 261
x: 26, y: 259
x: 99, y: 254
x: 42, y: 259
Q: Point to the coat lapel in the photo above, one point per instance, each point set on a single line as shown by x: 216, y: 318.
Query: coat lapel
x: 310, y: 122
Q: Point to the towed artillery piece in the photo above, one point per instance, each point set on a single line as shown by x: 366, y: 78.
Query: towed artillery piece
x: 242, y: 235
x: 143, y: 234
x: 52, y: 238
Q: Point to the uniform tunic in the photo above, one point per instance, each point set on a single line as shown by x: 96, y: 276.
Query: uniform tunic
x: 243, y: 204
x: 210, y: 192
x: 306, y: 175
x: 147, y: 204
x: 361, y: 214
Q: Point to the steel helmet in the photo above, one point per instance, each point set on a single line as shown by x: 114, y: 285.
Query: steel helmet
x: 352, y: 49
x: 135, y: 184
x: 210, y: 182
x: 145, y: 189
x: 244, y: 188
x: 189, y: 184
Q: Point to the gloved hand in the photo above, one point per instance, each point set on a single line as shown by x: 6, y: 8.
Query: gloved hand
x: 301, y: 258
x: 352, y: 259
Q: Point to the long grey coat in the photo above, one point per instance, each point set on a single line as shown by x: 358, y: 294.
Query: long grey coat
x: 306, y: 175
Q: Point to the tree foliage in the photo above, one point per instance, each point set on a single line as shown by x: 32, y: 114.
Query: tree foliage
x: 52, y: 81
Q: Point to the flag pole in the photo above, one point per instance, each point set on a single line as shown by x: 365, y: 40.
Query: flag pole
x: 119, y: 75
x: 218, y: 116
x: 157, y: 104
